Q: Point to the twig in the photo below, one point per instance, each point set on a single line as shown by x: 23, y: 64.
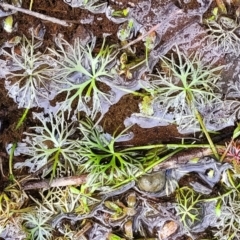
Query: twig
x: 58, y: 182
x: 35, y: 14
x: 142, y: 36
x: 227, y: 149
x: 154, y: 28
x: 183, y: 158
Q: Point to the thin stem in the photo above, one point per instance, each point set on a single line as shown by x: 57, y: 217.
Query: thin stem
x: 160, y: 160
x: 226, y: 151
x: 55, y: 163
x: 21, y: 120
x: 11, y: 176
x: 31, y: 4
x: 169, y: 146
x: 90, y: 88
x: 190, y: 100
x: 232, y: 181
x: 154, y: 28
x: 214, y: 150
x: 218, y: 197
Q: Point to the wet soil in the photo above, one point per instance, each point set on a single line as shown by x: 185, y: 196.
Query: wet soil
x: 128, y: 104
x: 114, y: 119
x: 117, y: 113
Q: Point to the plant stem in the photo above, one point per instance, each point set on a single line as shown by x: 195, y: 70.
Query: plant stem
x: 190, y: 100
x: 226, y: 150
x: 55, y: 163
x: 169, y: 146
x: 160, y: 160
x: 11, y: 176
x: 218, y: 197
x: 30, y: 6
x: 154, y: 28
x: 20, y: 122
x: 90, y: 88
x: 199, y: 118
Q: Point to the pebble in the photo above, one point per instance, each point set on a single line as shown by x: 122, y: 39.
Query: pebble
x: 168, y: 229
x: 152, y: 182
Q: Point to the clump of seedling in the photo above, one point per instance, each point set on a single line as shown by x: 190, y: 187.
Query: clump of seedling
x: 184, y: 87
x: 37, y: 223
x: 189, y: 206
x: 29, y: 73
x: 224, y: 32
x: 227, y: 210
x: 228, y: 223
x: 50, y: 143
x: 79, y: 72
x: 103, y: 160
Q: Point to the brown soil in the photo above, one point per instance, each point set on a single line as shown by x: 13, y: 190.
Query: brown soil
x: 128, y: 104
x: 113, y: 120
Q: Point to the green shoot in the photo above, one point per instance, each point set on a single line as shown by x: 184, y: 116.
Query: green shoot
x: 188, y: 206
x: 105, y: 163
x: 51, y: 142
x: 30, y: 71
x: 186, y: 87
x: 80, y: 70
x: 22, y: 119
x: 11, y: 176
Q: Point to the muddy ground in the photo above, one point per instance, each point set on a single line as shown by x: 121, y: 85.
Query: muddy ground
x: 128, y: 104
x: 99, y: 24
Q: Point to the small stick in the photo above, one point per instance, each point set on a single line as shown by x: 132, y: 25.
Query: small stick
x: 35, y: 14
x: 142, y: 36
x: 183, y: 158
x: 154, y: 28
x: 58, y: 182
x: 227, y: 149
x: 84, y: 229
